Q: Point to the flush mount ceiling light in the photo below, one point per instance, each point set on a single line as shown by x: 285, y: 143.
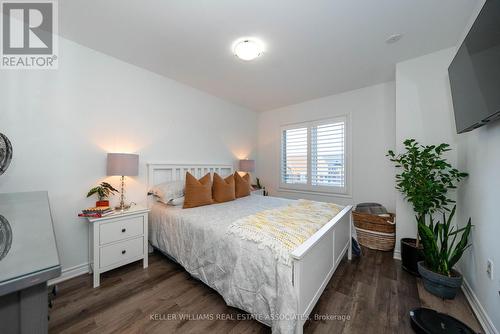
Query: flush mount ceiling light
x: 248, y: 48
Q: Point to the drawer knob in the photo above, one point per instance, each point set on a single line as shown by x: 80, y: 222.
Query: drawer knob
x: 124, y: 251
x: 123, y: 230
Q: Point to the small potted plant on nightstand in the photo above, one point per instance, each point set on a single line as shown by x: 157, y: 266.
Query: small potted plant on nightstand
x: 103, y: 191
x: 259, y: 186
x: 441, y: 253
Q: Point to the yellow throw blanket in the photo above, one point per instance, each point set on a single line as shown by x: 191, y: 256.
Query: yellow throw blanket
x: 284, y: 229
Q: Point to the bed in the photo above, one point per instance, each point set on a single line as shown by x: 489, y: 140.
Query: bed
x: 247, y: 275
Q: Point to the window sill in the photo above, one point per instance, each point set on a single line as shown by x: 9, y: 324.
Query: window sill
x: 311, y: 192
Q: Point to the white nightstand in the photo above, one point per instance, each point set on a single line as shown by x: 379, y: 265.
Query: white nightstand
x: 118, y: 239
x: 259, y: 192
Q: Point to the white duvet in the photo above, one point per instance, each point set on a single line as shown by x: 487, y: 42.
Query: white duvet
x: 246, y: 276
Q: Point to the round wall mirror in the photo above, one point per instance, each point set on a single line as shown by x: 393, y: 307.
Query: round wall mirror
x: 5, y: 153
x: 5, y: 237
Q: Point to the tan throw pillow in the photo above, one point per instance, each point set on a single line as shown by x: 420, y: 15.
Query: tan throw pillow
x: 197, y: 192
x: 223, y: 189
x: 242, y: 185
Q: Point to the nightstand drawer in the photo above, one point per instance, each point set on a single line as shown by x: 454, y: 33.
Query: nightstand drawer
x: 121, y: 229
x: 121, y: 252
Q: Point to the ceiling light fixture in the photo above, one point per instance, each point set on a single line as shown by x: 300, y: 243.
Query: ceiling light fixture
x: 393, y: 38
x: 248, y: 48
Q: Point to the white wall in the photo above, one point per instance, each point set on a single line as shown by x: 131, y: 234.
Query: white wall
x: 63, y: 122
x: 424, y: 111
x: 478, y: 198
x: 372, y: 116
x: 479, y: 155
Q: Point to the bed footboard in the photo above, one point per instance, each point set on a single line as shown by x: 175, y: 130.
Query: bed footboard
x: 315, y: 261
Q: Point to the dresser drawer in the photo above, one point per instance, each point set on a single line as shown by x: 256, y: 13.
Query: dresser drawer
x: 121, y: 252
x: 120, y: 229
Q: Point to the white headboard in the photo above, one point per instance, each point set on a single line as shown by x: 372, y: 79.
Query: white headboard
x: 163, y: 172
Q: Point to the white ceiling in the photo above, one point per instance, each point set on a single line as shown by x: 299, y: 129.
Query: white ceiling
x: 315, y: 48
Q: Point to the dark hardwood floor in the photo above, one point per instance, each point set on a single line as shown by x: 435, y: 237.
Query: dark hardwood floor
x: 367, y: 295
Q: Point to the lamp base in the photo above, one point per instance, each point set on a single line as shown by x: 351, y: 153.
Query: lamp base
x: 122, y: 207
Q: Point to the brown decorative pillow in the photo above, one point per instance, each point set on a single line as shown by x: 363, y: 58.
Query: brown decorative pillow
x: 197, y: 192
x: 223, y: 190
x: 242, y: 185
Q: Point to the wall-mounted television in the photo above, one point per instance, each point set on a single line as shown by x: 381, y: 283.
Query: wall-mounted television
x: 475, y: 72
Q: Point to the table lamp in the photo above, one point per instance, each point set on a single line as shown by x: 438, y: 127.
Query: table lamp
x: 122, y: 164
x: 247, y: 165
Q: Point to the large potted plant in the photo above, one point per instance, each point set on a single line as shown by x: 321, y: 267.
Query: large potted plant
x: 441, y: 253
x: 424, y: 180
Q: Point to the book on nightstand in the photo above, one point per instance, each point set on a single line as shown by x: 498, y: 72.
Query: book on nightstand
x: 97, y: 212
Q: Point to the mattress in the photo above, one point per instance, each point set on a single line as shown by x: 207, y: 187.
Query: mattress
x: 246, y: 276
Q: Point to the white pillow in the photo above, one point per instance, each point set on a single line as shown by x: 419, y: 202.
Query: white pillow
x: 167, y: 191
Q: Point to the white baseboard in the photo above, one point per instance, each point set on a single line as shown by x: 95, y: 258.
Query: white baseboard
x: 70, y: 273
x: 397, y: 255
x: 478, y: 309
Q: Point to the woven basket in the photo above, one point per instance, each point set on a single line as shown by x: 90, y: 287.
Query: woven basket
x: 375, y: 232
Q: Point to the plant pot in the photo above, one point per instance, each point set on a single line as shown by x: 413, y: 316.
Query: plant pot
x: 411, y: 255
x: 102, y: 203
x: 440, y: 285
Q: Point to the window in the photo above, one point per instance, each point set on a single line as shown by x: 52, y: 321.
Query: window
x: 313, y: 156
x: 295, y: 156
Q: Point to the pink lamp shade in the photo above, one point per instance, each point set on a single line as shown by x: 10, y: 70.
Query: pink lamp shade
x: 122, y: 164
x: 247, y: 165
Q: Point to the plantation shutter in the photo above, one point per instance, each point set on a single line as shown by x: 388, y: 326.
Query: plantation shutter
x: 294, y: 156
x: 328, y: 155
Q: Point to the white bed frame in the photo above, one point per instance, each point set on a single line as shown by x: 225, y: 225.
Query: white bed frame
x: 313, y: 262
